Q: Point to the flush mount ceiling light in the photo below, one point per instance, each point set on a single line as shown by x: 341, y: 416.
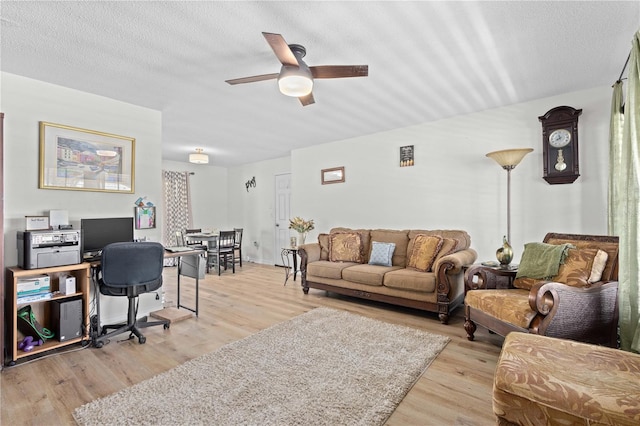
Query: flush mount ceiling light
x: 198, y: 157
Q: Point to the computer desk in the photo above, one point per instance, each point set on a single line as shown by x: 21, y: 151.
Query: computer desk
x: 167, y: 255
x: 179, y: 255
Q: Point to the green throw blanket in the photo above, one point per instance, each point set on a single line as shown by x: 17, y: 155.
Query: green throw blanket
x: 541, y: 260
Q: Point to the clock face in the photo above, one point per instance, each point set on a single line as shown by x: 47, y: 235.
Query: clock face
x: 559, y: 138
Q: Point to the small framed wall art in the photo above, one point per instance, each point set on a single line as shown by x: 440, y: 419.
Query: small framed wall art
x: 145, y: 217
x: 333, y: 175
x: 406, y: 156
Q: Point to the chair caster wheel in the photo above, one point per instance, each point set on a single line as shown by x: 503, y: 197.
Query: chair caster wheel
x: 99, y: 344
x: 142, y: 340
x: 166, y: 326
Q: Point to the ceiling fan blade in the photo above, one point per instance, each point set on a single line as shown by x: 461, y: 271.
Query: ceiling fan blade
x: 339, y: 71
x: 252, y: 78
x: 281, y: 49
x: 307, y: 99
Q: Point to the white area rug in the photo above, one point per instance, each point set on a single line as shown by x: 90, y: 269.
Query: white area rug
x: 325, y: 367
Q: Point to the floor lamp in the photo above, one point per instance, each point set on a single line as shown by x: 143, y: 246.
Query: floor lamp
x: 508, y: 160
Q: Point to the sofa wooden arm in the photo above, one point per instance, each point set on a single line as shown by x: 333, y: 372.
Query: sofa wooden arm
x: 451, y: 265
x: 584, y: 314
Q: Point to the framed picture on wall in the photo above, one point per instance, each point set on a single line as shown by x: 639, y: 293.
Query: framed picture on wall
x: 85, y: 160
x: 333, y: 175
x: 406, y: 156
x: 145, y: 217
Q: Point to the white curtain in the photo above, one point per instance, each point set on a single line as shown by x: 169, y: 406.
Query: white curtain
x: 624, y: 199
x: 177, y: 202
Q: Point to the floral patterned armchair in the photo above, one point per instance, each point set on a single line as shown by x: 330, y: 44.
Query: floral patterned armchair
x: 571, y: 305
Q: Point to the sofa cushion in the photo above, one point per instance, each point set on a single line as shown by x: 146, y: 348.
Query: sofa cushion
x: 599, y: 263
x: 576, y: 269
x: 381, y: 253
x: 448, y: 247
x: 542, y: 380
x: 367, y: 274
x: 399, y: 238
x: 345, y: 247
x: 424, y: 252
x: 365, y: 237
x: 509, y: 305
x: 327, y: 269
x: 610, y: 270
x: 409, y: 279
x: 323, y: 240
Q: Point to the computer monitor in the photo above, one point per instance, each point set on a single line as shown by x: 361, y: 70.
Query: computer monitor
x: 97, y: 233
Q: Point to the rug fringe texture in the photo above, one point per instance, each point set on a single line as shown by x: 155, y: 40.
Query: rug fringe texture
x: 324, y: 367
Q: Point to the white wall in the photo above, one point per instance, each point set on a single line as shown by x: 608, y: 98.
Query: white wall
x: 209, y: 193
x: 253, y: 210
x: 25, y: 103
x: 453, y: 185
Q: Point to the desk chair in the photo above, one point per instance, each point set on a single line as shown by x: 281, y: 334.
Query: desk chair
x: 221, y: 251
x: 130, y: 269
x: 237, y: 248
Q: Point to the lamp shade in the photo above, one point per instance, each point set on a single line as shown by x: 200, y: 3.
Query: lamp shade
x: 509, y: 158
x: 295, y: 81
x: 198, y: 157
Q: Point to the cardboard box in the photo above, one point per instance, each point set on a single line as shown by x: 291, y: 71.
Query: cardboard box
x: 34, y: 285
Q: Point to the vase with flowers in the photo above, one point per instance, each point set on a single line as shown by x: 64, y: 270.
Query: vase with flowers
x: 302, y: 227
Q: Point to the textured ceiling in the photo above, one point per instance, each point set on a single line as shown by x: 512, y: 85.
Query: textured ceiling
x: 427, y: 61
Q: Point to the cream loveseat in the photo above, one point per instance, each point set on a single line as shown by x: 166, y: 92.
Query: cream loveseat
x: 420, y: 269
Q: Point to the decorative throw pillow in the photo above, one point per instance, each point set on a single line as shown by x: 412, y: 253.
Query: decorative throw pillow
x: 599, y: 262
x: 381, y: 253
x: 323, y: 240
x: 448, y: 246
x: 424, y: 251
x: 576, y: 269
x: 345, y: 247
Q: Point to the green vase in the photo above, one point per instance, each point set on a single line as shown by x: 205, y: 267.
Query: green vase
x: 505, y: 253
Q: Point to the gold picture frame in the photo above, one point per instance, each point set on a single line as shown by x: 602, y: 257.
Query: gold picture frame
x: 333, y: 175
x: 78, y: 159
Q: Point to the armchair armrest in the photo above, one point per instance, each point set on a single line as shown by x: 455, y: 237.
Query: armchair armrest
x: 584, y: 314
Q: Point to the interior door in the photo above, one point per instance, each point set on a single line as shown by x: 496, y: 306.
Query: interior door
x: 282, y: 215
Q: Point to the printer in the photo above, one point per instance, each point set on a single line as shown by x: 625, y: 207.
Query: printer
x: 47, y: 248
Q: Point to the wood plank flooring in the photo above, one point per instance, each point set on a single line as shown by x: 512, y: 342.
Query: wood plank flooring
x: 455, y: 389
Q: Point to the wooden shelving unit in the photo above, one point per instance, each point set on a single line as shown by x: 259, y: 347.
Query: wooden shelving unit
x: 42, y: 309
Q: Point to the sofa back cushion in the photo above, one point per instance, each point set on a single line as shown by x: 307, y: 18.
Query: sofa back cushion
x: 345, y: 247
x: 607, y: 244
x: 399, y: 238
x: 323, y: 240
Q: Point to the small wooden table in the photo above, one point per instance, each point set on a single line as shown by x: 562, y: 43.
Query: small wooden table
x: 494, y: 277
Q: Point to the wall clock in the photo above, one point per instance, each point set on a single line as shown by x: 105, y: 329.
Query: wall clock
x: 560, y: 145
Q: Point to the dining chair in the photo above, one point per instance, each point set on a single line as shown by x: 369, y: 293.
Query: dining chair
x: 221, y: 251
x: 237, y: 249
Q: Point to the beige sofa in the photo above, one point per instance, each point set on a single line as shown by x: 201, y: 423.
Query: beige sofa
x: 425, y: 270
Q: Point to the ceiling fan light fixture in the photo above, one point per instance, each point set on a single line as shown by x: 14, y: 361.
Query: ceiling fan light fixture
x: 295, y: 82
x: 198, y: 157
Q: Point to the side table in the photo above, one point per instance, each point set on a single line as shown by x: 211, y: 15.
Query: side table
x: 480, y: 276
x: 286, y: 251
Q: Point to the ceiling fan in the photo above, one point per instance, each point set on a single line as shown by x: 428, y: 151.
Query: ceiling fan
x: 295, y: 77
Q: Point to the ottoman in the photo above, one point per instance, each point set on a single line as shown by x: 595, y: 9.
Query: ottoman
x: 547, y: 381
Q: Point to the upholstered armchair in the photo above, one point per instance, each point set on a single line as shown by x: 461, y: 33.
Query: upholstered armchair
x: 579, y: 302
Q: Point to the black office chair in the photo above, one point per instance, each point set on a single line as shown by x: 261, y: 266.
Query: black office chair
x: 130, y: 269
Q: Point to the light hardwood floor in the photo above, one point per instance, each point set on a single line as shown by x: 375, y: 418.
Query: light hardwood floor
x: 455, y: 389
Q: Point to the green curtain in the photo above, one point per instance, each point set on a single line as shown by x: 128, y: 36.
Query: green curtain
x: 624, y: 200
